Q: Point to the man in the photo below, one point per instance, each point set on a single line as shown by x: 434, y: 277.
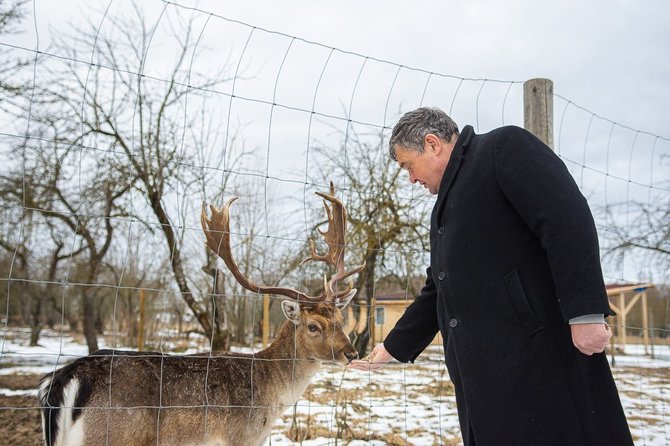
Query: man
x: 514, y: 285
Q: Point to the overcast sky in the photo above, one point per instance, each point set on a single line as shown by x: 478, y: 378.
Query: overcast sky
x: 611, y: 57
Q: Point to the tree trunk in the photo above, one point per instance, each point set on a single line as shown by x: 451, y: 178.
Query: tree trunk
x: 99, y: 320
x: 241, y: 320
x: 220, y: 342
x: 131, y: 320
x: 88, y: 306
x: 88, y: 315
x: 73, y: 321
x: 220, y: 339
x: 35, y: 325
x: 200, y: 313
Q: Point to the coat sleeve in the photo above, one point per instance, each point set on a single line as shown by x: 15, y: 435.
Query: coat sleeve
x: 540, y: 188
x: 417, y: 327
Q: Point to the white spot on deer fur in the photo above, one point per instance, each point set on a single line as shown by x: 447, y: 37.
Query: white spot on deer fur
x: 42, y: 394
x: 69, y: 433
x: 75, y: 435
x: 44, y: 388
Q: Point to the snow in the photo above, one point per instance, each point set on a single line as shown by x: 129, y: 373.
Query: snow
x: 8, y: 392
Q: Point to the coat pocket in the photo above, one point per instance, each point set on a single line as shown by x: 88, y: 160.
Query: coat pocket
x: 520, y: 303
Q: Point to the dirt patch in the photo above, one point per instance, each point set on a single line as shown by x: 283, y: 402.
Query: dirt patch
x: 307, y: 428
x: 662, y: 373
x: 20, y: 422
x: 19, y: 382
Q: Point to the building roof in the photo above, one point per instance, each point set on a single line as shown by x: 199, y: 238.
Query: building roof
x: 616, y: 288
x: 393, y: 297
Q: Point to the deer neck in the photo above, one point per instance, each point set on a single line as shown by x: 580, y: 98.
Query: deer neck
x: 286, y: 346
x: 293, y: 366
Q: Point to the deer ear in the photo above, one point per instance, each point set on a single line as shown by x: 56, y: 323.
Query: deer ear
x: 341, y: 303
x: 291, y: 310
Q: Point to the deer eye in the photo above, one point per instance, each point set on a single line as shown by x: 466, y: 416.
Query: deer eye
x: 313, y: 327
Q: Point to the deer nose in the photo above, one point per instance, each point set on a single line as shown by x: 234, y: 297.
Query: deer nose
x: 351, y: 355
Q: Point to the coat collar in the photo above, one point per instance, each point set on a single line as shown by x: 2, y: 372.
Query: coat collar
x: 454, y: 164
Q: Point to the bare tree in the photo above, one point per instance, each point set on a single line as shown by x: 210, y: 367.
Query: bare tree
x: 11, y: 14
x: 143, y: 124
x: 18, y: 270
x: 647, y: 231
x: 131, y: 273
x: 75, y: 193
x: 28, y: 261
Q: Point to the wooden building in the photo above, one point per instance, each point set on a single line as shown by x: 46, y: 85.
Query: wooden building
x: 386, y: 310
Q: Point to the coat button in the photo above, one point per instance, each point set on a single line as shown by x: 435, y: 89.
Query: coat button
x: 440, y: 230
x: 453, y: 322
x: 442, y: 275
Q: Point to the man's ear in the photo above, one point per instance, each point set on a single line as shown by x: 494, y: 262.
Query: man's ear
x: 434, y: 143
x: 291, y: 310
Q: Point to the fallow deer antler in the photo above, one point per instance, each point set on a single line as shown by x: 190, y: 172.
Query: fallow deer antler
x: 334, y: 237
x: 217, y: 232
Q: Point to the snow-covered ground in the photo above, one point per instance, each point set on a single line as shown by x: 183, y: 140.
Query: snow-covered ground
x: 401, y: 404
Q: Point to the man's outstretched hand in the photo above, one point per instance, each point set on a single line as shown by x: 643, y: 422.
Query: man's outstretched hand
x: 377, y: 359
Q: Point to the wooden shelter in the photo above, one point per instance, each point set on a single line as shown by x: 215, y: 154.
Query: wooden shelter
x: 623, y: 299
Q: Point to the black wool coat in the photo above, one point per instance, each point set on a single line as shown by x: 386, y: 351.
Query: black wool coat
x: 514, y: 256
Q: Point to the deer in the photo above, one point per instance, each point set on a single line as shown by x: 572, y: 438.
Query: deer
x: 130, y: 398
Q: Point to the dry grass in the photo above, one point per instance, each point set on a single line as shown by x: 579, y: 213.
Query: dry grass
x: 19, y: 414
x: 19, y: 382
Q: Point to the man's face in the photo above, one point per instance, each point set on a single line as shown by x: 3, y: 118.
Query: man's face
x: 424, y: 168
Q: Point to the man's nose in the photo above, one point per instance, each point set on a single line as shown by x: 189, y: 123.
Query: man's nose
x: 412, y: 178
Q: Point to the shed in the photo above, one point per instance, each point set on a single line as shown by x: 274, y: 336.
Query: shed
x: 387, y: 309
x: 623, y: 298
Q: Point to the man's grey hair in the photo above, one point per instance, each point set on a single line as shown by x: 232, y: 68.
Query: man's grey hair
x: 413, y: 127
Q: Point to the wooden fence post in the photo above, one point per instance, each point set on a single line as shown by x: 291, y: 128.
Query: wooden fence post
x: 645, y: 322
x: 538, y: 109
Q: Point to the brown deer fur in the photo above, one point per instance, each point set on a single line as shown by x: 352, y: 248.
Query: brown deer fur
x: 218, y: 399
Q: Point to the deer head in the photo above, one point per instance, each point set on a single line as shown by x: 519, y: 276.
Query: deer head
x: 316, y: 318
x: 318, y: 333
